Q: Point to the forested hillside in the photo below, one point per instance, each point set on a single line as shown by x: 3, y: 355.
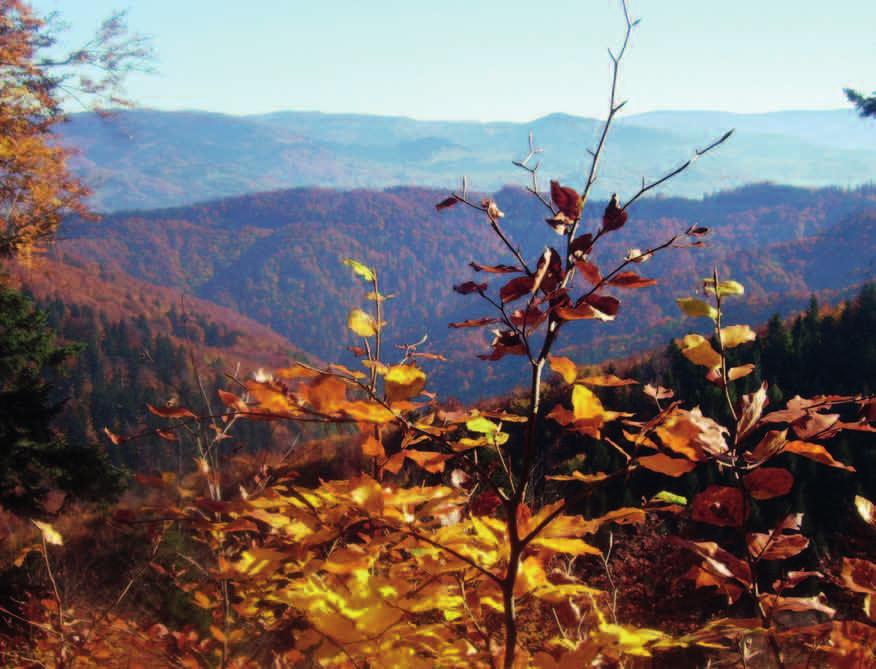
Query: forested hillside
x: 276, y: 258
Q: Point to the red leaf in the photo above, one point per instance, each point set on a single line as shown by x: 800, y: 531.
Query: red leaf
x: 581, y: 246
x: 614, y: 217
x: 171, y: 412
x: 631, y: 280
x: 446, y: 203
x: 516, y: 288
x: 473, y: 323
x: 604, y: 303
x: 470, y: 287
x: 494, y: 269
x: 589, y: 271
x: 567, y: 200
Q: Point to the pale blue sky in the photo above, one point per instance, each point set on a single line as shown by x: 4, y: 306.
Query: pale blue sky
x: 493, y: 59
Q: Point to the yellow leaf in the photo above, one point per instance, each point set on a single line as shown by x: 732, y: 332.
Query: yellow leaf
x: 694, y: 307
x: 402, y: 382
x: 564, y: 367
x: 735, y: 335
x: 566, y: 545
x: 699, y: 351
x: 481, y: 425
x: 866, y: 510
x: 358, y: 268
x: 50, y: 534
x: 363, y: 324
x: 724, y: 287
x: 586, y: 405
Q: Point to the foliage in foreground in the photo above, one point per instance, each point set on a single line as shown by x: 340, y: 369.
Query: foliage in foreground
x: 441, y: 549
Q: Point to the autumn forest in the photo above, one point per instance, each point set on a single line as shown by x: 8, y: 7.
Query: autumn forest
x: 306, y: 389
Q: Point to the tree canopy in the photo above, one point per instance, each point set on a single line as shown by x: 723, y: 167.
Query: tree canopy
x: 36, y: 186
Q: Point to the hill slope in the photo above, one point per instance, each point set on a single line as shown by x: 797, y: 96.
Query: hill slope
x: 276, y: 258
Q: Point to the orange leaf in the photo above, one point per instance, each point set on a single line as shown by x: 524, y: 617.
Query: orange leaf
x: 428, y: 460
x: 565, y: 367
x: 171, y: 412
x: 372, y: 448
x: 815, y: 452
x: 663, y: 464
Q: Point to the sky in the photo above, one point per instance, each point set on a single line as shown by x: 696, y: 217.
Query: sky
x: 491, y: 60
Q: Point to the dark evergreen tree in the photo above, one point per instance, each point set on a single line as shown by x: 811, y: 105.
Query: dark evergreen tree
x: 34, y: 457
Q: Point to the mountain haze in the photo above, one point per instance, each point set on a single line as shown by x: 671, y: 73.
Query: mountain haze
x: 144, y: 159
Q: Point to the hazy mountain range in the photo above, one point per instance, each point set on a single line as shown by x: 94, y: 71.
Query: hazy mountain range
x: 145, y: 159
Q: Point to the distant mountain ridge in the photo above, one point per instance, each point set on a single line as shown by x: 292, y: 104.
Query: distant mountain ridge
x: 276, y: 258
x: 145, y: 159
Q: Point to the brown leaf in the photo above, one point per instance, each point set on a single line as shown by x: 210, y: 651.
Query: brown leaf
x: 775, y: 546
x: 720, y: 505
x: 446, y: 203
x: 494, y: 269
x: 769, y: 482
x: 171, y: 412
x: 589, y: 271
x: 658, y: 393
x: 604, y: 303
x: 581, y: 246
x: 567, y: 200
x: 473, y: 323
x: 751, y: 410
x: 772, y: 444
x: 614, y: 217
x: 859, y: 575
x: 720, y: 562
x: 470, y: 287
x: 516, y: 288
x: 631, y: 280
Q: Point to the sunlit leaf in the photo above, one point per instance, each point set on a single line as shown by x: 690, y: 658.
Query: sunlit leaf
x: 725, y: 288
x: 359, y: 269
x: 564, y: 367
x: 699, y: 351
x: 691, y: 306
x: 402, y: 382
x: 815, y: 452
x: 50, y: 534
x: 736, y: 335
x: 866, y: 510
x: 362, y: 323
